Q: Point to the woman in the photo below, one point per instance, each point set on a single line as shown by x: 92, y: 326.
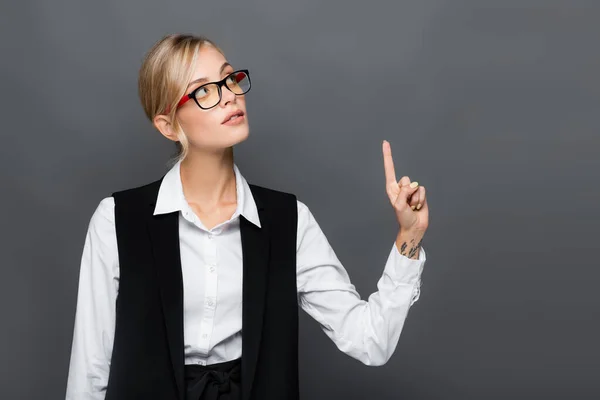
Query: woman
x: 210, y: 269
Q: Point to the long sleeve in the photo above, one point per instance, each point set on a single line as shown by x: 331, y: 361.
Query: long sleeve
x: 95, y: 312
x: 365, y: 330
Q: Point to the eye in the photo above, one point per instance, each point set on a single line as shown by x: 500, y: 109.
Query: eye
x: 203, y: 91
x: 231, y: 78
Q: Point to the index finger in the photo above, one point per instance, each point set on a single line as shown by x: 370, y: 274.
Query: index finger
x: 388, y: 164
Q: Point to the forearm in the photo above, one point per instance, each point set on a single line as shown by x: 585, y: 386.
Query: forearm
x: 409, y: 243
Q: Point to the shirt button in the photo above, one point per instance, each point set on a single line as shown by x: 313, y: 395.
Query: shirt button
x: 211, y: 302
x: 204, y: 335
x: 212, y: 268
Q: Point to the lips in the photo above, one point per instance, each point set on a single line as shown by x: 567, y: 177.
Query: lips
x: 231, y: 114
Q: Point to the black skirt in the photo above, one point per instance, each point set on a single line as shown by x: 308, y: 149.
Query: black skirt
x: 219, y: 381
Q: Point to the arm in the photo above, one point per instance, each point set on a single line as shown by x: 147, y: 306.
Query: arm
x: 365, y: 330
x: 95, y: 312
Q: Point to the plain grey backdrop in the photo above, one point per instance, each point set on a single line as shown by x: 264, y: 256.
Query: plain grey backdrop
x: 493, y: 106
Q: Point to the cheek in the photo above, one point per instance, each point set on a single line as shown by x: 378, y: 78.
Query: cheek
x: 196, y: 124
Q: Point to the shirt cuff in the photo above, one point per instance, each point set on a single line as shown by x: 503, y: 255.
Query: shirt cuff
x: 401, y: 269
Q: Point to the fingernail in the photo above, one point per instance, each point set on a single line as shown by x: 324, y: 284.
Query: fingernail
x: 414, y: 184
x: 419, y: 206
x: 413, y: 207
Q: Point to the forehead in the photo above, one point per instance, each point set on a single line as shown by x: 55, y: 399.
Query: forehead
x: 208, y: 63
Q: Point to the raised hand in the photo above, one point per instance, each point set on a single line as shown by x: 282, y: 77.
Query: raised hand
x: 408, y: 199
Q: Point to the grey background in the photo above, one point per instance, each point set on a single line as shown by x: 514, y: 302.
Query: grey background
x: 492, y: 105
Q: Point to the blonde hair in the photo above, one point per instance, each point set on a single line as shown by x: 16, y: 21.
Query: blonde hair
x: 164, y: 76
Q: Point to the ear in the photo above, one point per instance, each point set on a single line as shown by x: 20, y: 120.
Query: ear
x: 163, y: 124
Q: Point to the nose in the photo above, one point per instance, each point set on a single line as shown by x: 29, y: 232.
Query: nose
x: 227, y: 95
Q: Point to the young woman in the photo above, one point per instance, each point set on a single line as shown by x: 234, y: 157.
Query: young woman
x: 190, y: 285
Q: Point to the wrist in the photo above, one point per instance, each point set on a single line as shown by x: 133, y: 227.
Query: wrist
x: 412, y: 232
x: 409, y: 242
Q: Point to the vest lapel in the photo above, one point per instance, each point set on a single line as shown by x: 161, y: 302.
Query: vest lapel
x: 164, y: 235
x: 255, y: 250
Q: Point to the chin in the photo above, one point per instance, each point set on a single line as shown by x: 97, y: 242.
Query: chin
x: 240, y: 135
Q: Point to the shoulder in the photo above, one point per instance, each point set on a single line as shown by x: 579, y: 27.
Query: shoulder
x: 148, y: 190
x: 280, y: 194
x: 105, y: 209
x: 102, y: 221
x: 133, y: 201
x: 104, y: 214
x: 267, y: 191
x: 291, y: 198
x: 281, y: 199
x: 272, y: 197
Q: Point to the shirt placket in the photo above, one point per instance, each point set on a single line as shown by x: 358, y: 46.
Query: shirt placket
x: 210, y: 296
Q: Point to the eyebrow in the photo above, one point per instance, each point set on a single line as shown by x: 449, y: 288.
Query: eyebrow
x: 225, y: 65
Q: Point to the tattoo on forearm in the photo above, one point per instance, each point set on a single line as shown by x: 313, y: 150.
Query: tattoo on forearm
x: 413, y: 250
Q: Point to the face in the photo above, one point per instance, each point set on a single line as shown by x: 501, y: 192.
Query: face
x: 205, y: 129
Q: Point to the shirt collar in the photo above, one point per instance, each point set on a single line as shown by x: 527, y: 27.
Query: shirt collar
x: 170, y: 195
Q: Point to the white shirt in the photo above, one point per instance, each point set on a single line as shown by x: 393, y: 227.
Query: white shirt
x: 211, y: 262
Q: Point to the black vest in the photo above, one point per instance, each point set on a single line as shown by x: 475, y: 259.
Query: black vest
x: 148, y: 352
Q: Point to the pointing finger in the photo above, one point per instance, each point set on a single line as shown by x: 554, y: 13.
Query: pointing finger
x: 388, y: 164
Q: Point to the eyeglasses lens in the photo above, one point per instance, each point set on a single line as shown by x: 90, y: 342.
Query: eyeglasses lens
x: 208, y: 96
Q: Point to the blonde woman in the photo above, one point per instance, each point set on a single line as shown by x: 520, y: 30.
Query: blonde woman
x: 190, y: 285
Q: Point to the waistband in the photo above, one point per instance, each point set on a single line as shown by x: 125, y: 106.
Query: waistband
x: 220, y: 381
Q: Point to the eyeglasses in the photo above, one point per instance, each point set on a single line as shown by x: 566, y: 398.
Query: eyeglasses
x: 209, y: 95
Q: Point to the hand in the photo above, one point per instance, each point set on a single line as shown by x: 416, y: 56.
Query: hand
x: 409, y: 202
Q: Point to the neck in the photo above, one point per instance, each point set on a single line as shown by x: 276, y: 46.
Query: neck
x: 208, y: 179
